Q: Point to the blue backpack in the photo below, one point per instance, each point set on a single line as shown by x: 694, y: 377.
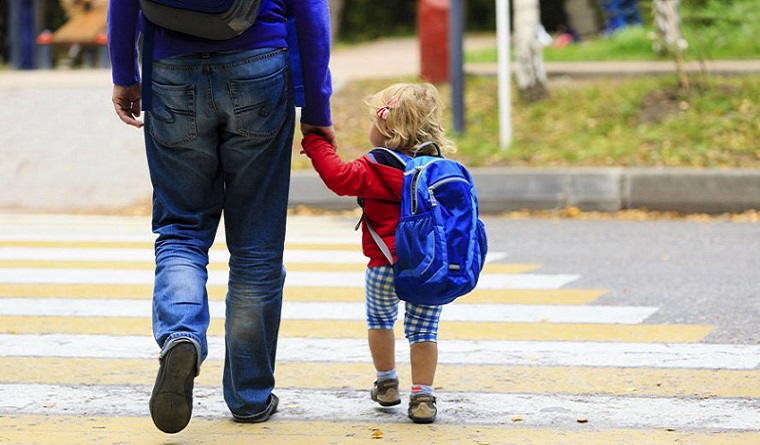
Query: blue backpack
x: 441, y: 243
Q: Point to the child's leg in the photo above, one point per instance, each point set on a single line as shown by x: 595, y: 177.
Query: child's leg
x: 421, y: 329
x: 382, y: 312
x: 424, y: 358
x: 382, y: 345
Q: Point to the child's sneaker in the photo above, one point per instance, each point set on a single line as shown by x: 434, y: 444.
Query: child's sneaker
x: 422, y: 408
x: 386, y: 392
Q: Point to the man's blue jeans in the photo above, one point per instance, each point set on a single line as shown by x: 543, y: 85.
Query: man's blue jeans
x: 219, y: 139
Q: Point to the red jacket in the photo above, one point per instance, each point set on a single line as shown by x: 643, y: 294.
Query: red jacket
x: 379, y: 185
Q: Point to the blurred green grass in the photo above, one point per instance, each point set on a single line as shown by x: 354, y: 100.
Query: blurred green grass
x: 623, y: 121
x: 713, y: 30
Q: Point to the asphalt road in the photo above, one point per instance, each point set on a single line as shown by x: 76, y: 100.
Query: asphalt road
x: 702, y: 272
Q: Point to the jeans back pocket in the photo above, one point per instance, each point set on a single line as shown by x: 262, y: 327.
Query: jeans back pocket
x: 260, y: 104
x: 172, y: 118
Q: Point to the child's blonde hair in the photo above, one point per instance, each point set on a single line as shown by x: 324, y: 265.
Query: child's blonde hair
x: 409, y: 115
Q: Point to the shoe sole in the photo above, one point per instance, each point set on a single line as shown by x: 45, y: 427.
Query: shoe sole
x: 416, y: 419
x: 171, y: 404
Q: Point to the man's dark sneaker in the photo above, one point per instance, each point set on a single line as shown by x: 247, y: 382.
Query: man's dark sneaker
x: 385, y: 392
x: 274, y: 401
x: 171, y: 403
x: 422, y: 408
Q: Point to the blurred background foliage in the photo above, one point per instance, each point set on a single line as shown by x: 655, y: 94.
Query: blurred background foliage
x: 713, y: 28
x: 370, y: 19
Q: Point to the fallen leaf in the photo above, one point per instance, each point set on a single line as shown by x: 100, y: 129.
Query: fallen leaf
x: 582, y: 420
x: 376, y: 433
x: 517, y: 419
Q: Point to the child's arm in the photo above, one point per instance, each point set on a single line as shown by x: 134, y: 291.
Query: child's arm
x: 343, y: 178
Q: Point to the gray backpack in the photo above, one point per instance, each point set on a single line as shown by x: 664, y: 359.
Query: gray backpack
x: 209, y: 19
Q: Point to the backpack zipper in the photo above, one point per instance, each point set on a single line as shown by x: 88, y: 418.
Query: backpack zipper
x: 415, y: 186
x: 431, y: 189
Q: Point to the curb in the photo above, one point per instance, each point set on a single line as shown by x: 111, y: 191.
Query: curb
x: 590, y: 189
x: 630, y: 68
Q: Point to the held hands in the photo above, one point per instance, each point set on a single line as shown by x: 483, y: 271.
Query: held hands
x: 126, y: 102
x: 326, y: 132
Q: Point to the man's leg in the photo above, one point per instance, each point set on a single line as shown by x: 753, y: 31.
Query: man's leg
x: 252, y: 93
x: 187, y: 200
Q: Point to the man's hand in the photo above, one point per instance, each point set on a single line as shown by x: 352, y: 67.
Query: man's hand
x: 126, y: 101
x: 326, y: 132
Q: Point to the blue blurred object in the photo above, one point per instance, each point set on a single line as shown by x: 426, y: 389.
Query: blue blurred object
x: 23, y: 33
x: 619, y: 14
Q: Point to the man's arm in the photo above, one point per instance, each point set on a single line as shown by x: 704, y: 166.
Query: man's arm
x: 122, y: 45
x: 313, y: 29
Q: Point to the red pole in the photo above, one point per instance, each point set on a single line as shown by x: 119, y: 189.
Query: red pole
x: 433, y: 30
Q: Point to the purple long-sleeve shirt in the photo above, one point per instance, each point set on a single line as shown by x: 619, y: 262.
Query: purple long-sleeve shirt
x: 269, y: 31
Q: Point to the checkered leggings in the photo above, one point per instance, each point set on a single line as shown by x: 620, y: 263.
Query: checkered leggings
x: 420, y: 321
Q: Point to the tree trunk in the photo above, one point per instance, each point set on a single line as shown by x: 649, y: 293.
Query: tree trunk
x: 667, y: 21
x: 529, y: 66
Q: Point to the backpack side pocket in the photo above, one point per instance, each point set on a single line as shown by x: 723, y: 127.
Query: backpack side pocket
x: 482, y: 243
x: 421, y: 264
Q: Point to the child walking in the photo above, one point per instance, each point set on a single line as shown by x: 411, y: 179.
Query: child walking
x: 405, y: 119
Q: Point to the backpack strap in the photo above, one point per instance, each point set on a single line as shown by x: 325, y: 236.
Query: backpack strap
x: 384, y: 156
x: 417, y: 149
x: 378, y: 240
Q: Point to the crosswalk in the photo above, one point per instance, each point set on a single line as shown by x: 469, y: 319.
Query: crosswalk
x: 523, y: 360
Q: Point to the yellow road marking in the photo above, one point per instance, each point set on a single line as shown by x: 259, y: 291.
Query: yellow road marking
x: 62, y: 244
x: 450, y: 330
x: 293, y: 267
x: 576, y: 380
x: 82, y: 430
x: 299, y: 293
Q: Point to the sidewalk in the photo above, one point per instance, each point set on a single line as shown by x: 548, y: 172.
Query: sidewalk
x: 64, y: 150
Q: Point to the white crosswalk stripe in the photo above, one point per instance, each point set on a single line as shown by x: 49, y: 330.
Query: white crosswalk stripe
x: 482, y: 352
x: 543, y: 410
x: 339, y: 311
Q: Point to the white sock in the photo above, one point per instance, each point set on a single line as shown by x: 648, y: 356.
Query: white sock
x: 387, y: 375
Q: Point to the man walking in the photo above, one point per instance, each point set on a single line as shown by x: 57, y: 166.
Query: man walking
x: 218, y: 138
